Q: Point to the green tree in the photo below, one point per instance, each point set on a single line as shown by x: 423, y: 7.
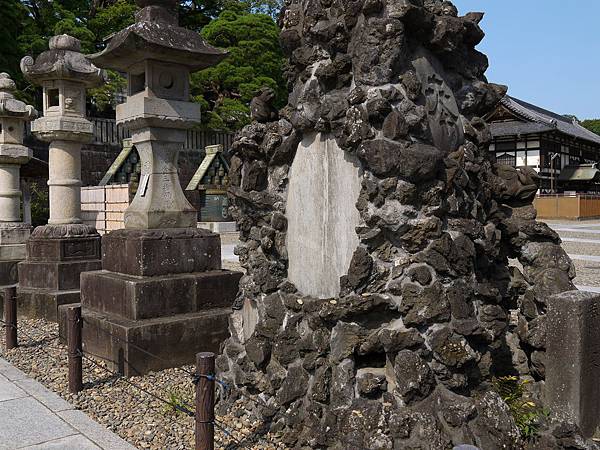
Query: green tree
x: 195, y: 14
x: 270, y: 7
x: 110, y: 18
x: 246, y: 28
x: 255, y: 60
x: 592, y: 124
x: 11, y: 21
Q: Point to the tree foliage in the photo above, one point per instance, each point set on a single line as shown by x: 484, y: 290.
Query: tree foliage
x: 255, y: 60
x: 592, y: 124
x: 11, y: 19
x: 246, y: 28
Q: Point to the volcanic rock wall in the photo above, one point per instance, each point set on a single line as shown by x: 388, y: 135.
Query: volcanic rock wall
x: 429, y: 308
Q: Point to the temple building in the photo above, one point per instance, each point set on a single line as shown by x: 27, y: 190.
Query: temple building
x: 563, y: 152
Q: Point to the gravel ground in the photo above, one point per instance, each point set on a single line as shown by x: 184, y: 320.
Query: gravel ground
x: 138, y: 418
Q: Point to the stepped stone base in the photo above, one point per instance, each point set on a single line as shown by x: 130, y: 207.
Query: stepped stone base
x: 57, y: 255
x: 44, y: 303
x: 174, y: 339
x: 160, y: 290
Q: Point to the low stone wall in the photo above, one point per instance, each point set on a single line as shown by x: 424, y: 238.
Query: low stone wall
x: 104, y: 206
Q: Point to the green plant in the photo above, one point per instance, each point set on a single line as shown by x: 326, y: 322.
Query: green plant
x: 178, y: 401
x: 528, y: 416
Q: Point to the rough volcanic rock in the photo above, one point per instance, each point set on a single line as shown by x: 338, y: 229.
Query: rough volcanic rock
x: 430, y: 307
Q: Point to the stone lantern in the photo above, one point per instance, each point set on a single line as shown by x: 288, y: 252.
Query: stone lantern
x: 13, y: 232
x: 157, y: 57
x: 58, y: 252
x: 162, y: 287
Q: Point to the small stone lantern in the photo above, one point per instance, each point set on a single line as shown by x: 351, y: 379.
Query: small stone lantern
x: 162, y: 287
x: 14, y: 114
x: 64, y: 74
x: 57, y: 253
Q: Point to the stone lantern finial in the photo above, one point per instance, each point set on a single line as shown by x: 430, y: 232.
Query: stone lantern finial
x: 6, y: 84
x: 9, y: 105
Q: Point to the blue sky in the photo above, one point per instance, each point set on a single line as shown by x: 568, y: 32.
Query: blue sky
x: 546, y: 51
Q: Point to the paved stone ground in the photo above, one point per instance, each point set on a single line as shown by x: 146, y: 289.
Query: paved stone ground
x: 228, y: 243
x: 581, y: 240
x: 32, y: 417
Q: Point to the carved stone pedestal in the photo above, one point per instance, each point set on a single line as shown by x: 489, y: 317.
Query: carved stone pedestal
x: 56, y: 257
x: 12, y: 250
x: 160, y: 290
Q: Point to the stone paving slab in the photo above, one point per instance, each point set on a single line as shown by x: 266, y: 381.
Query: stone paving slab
x: 76, y: 442
x: 47, y: 398
x: 9, y: 391
x: 86, y: 426
x: 10, y: 372
x: 25, y: 421
x: 32, y: 417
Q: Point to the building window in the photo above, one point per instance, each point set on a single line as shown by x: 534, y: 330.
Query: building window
x: 508, y: 159
x: 533, y: 158
x: 521, y: 159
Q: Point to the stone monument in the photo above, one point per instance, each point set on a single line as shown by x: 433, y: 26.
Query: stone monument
x: 162, y: 287
x: 381, y: 296
x: 573, y: 369
x: 13, y: 232
x: 59, y: 252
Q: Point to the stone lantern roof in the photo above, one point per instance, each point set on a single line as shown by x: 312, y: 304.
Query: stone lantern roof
x: 63, y: 60
x: 157, y: 36
x: 9, y: 105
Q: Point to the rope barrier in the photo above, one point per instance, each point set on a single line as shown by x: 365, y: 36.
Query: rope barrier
x: 141, y: 389
x: 184, y: 408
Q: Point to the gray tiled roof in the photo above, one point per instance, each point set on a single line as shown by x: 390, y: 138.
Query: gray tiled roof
x: 582, y: 172
x: 515, y: 127
x: 538, y: 120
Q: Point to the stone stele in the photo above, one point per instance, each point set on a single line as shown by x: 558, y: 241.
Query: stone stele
x: 14, y: 114
x: 573, y: 371
x: 380, y: 300
x: 162, y: 287
x: 59, y: 252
